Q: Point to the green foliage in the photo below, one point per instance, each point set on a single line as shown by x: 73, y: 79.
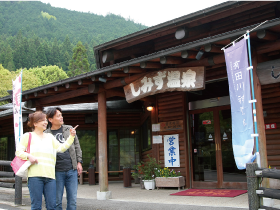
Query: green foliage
x: 31, y: 78
x: 47, y: 35
x: 79, y: 63
x: 148, y: 169
x: 48, y: 74
x: 6, y: 82
x: 47, y: 15
x: 138, y: 170
x: 166, y: 172
x: 87, y: 141
x: 48, y: 22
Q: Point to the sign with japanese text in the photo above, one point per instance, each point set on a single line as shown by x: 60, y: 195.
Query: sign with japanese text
x: 17, y: 92
x: 168, y: 126
x: 175, y: 79
x: 241, y: 110
x: 171, y: 125
x: 157, y: 139
x: 171, y: 150
x: 270, y: 126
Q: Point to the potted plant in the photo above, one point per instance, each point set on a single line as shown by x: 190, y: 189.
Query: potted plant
x: 149, y: 173
x: 138, y: 173
x: 169, y: 178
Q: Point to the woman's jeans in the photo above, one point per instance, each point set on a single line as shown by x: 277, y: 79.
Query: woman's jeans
x: 39, y: 186
x: 69, y: 179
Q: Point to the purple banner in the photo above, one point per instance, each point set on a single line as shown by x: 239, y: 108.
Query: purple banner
x: 241, y: 110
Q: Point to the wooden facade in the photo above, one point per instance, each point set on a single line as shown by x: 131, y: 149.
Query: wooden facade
x: 174, y: 44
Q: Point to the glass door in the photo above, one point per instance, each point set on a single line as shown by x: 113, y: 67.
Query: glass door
x: 213, y: 163
x: 231, y: 173
x: 203, y: 147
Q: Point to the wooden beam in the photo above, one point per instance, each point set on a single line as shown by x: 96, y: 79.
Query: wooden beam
x: 72, y: 86
x: 150, y: 65
x: 122, y: 82
x: 84, y: 82
x: 94, y: 88
x: 268, y: 47
x: 188, y: 54
x: 171, y: 60
x: 116, y: 74
x: 102, y: 142
x: 111, y: 55
x: 267, y: 35
x: 181, y: 33
x: 112, y: 93
x: 107, y: 56
x: 133, y: 69
x: 212, y: 48
x: 210, y: 61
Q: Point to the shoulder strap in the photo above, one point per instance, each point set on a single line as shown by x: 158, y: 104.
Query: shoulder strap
x: 29, y: 142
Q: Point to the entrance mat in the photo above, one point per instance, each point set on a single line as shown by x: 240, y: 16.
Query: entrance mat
x: 210, y: 192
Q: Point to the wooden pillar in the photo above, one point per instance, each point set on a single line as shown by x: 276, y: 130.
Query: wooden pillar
x: 260, y: 118
x: 38, y: 106
x: 187, y: 140
x: 102, y: 142
x: 154, y: 120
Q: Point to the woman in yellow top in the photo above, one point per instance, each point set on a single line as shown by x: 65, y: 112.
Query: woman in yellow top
x: 43, y: 149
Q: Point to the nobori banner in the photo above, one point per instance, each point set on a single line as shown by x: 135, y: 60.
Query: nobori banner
x: 175, y: 79
x: 241, y: 110
x: 17, y: 95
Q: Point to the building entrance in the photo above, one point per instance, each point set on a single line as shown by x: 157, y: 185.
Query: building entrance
x: 213, y: 163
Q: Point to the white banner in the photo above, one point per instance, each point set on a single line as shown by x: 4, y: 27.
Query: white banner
x: 17, y: 95
x: 171, y: 150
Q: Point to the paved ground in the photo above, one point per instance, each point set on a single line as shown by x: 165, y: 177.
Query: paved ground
x: 135, y: 198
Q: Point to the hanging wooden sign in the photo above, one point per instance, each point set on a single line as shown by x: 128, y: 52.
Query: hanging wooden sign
x: 168, y: 126
x: 269, y: 72
x: 175, y: 79
x: 171, y: 125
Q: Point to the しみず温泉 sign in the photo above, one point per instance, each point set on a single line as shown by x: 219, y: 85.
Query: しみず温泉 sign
x: 175, y: 79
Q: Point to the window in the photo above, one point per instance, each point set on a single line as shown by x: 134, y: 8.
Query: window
x: 146, y: 134
x: 87, y: 139
x: 129, y: 147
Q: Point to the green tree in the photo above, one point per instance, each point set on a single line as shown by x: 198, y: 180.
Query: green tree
x: 6, y: 82
x: 29, y: 80
x: 48, y: 74
x: 41, y: 56
x: 8, y: 61
x: 79, y: 63
x: 55, y: 53
x: 32, y: 54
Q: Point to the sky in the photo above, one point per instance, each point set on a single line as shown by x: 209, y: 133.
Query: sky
x: 146, y: 12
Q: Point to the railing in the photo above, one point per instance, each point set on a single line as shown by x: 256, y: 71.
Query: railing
x: 5, y: 182
x: 257, y: 193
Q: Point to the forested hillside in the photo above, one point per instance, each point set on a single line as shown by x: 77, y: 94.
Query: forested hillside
x: 35, y: 34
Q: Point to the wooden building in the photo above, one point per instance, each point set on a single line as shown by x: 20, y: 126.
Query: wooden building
x: 190, y: 42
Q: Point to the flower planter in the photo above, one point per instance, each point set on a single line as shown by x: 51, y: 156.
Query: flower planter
x: 170, y: 182
x: 149, y: 184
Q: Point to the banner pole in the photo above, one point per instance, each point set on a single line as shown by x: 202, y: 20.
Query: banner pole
x: 254, y: 101
x: 20, y: 116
